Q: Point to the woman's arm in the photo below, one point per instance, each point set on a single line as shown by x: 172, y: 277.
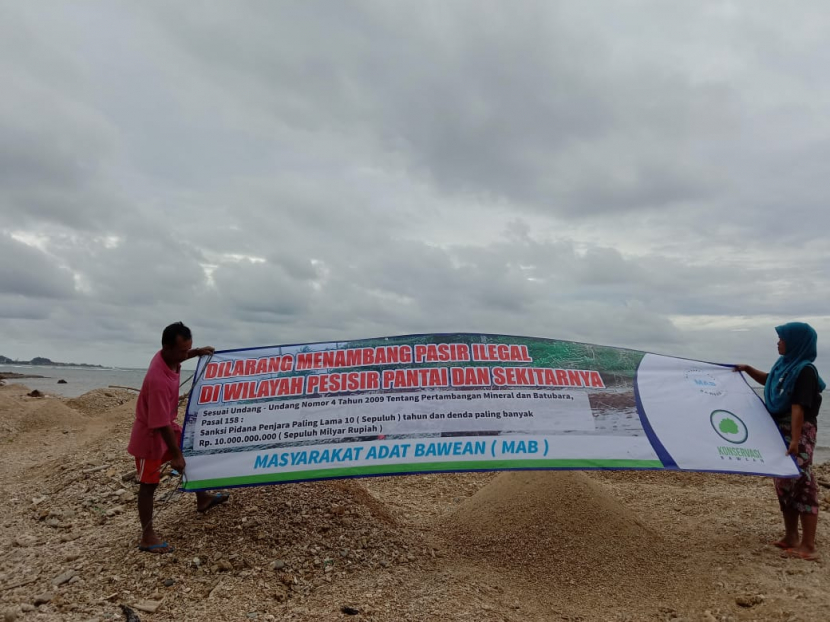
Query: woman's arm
x: 797, y: 423
x: 758, y: 376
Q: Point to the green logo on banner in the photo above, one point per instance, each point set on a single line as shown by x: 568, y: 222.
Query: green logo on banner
x: 729, y: 426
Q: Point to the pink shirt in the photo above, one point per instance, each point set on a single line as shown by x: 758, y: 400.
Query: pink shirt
x: 157, y: 407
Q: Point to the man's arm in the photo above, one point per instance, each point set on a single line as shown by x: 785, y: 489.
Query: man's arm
x: 169, y: 436
x: 205, y: 351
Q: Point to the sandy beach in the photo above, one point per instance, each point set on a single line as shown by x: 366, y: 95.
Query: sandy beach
x: 521, y: 546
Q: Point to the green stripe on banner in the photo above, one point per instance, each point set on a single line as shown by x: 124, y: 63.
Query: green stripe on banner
x: 391, y: 469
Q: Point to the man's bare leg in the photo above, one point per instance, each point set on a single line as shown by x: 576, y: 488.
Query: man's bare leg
x: 146, y: 492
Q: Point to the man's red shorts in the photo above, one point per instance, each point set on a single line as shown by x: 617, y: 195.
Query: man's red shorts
x: 149, y: 471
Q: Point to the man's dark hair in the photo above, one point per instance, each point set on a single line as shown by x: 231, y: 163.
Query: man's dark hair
x: 168, y: 337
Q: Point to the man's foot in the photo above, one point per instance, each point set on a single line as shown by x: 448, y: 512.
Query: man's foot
x: 160, y: 548
x: 209, y: 501
x: 799, y: 553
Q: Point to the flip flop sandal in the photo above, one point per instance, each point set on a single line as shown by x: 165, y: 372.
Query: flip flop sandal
x: 158, y: 549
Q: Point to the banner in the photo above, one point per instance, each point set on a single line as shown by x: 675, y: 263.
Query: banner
x: 467, y: 402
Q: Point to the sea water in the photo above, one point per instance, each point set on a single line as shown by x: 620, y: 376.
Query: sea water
x: 79, y: 380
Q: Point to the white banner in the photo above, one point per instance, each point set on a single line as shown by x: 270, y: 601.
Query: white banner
x: 463, y: 402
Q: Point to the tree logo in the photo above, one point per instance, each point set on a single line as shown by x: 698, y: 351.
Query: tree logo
x: 729, y: 426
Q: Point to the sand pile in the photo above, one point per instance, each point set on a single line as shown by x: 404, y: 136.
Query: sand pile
x: 23, y: 414
x: 99, y: 401
x: 75, y: 518
x: 564, y: 531
x: 265, y: 547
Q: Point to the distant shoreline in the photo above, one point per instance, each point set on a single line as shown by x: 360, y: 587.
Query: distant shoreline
x: 8, y: 375
x: 44, y: 362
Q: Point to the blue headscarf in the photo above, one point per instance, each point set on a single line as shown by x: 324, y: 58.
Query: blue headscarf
x: 800, y: 352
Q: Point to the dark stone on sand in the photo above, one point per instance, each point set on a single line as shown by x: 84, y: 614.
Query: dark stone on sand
x: 749, y: 600
x: 129, y: 614
x: 35, y: 393
x: 61, y: 381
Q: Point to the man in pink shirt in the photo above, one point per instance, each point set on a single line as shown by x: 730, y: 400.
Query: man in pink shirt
x: 156, y: 436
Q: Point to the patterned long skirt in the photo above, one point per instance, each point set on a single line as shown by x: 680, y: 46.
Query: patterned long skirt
x: 801, y: 494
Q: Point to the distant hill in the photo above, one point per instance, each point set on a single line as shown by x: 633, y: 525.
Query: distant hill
x: 41, y: 360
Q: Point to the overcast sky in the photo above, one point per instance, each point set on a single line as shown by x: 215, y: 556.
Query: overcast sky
x: 643, y: 174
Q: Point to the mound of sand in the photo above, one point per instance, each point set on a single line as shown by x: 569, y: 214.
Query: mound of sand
x: 564, y: 531
x: 99, y: 401
x: 270, y: 543
x: 41, y: 417
x: 23, y: 414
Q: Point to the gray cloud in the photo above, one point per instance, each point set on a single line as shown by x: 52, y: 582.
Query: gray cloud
x: 298, y: 172
x: 30, y: 273
x: 56, y: 150
x: 523, y: 105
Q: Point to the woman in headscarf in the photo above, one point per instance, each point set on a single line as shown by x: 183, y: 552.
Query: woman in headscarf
x: 792, y: 393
